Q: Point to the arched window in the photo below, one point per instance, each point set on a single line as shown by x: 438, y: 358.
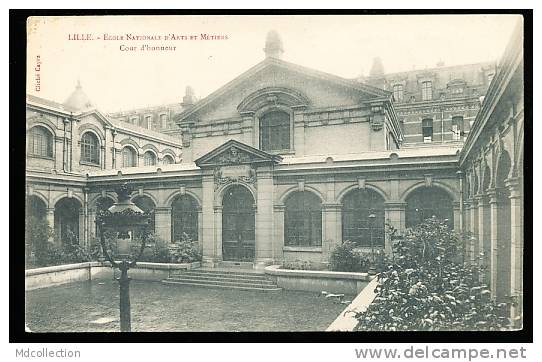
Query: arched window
x: 149, y: 159
x: 90, y: 148
x: 184, y: 218
x: 303, y: 220
x: 427, y: 90
x: 40, y: 142
x: 67, y: 221
x: 129, y: 157
x: 398, y: 92
x: 358, y: 227
x: 427, y: 202
x: 102, y: 204
x: 275, y: 131
x: 167, y: 160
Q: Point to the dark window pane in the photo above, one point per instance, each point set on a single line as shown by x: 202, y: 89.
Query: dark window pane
x: 275, y: 131
x: 427, y: 202
x: 303, y: 220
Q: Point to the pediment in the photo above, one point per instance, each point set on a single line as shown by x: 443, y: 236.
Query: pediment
x: 236, y: 153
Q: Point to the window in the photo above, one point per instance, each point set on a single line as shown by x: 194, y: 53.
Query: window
x: 275, y: 131
x: 398, y: 92
x: 90, y: 148
x: 184, y: 218
x: 303, y: 220
x: 357, y: 225
x: 427, y: 91
x: 427, y: 202
x: 427, y: 130
x: 148, y: 122
x: 40, y: 142
x: 457, y: 128
x: 167, y: 160
x: 149, y: 159
x: 129, y: 157
x: 163, y: 120
x: 146, y: 205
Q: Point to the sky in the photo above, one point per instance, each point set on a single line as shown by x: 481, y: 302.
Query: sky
x: 116, y: 79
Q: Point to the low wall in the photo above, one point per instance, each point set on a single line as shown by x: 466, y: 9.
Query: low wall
x: 61, y: 274
x: 346, y: 321
x: 68, y: 273
x: 317, y: 281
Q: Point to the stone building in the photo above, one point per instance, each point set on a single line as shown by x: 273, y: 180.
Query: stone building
x: 286, y: 162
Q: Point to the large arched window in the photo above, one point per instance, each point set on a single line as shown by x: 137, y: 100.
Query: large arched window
x: 168, y: 160
x: 303, y: 220
x: 184, y: 218
x: 129, y: 157
x: 90, y: 148
x: 426, y: 202
x: 358, y: 227
x: 40, y: 142
x: 275, y: 131
x: 102, y: 204
x: 67, y: 221
x: 149, y: 159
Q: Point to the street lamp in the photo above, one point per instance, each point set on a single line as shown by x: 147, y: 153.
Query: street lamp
x: 372, y: 267
x: 123, y: 219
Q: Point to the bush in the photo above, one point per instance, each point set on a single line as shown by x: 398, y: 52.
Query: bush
x: 346, y: 257
x: 428, y: 287
x: 185, y: 250
x: 300, y: 265
x: 37, y: 234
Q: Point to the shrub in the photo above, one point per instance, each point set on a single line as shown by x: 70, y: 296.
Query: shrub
x: 37, y: 234
x: 428, y: 287
x: 346, y: 257
x: 300, y: 265
x: 184, y: 250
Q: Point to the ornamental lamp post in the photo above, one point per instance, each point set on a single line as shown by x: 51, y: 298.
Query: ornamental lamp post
x: 123, y: 219
x: 372, y: 267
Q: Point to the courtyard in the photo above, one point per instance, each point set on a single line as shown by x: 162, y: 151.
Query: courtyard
x: 93, y: 307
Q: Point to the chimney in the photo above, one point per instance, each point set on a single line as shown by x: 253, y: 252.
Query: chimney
x: 189, y: 99
x: 273, y: 45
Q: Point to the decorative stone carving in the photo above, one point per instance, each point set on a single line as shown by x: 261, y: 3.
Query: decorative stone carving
x: 240, y: 173
x: 233, y: 156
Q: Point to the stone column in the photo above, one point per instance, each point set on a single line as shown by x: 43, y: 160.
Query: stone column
x: 473, y: 228
x: 466, y: 227
x: 50, y: 217
x: 332, y: 229
x: 75, y: 150
x: 484, y: 237
x: 516, y: 259
x: 162, y: 223
x: 278, y: 234
x: 457, y: 215
x: 264, y: 218
x: 299, y: 134
x: 200, y: 230
x: 208, y: 218
x: 395, y: 214
x: 494, y: 241
x: 217, y: 245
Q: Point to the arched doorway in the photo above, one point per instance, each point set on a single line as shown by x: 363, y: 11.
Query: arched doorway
x: 67, y: 212
x: 146, y: 204
x: 426, y: 202
x: 102, y: 204
x: 238, y: 224
x: 36, y: 228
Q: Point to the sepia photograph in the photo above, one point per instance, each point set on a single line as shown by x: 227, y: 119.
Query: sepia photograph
x: 274, y: 173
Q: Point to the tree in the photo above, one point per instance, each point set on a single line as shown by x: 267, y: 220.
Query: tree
x: 427, y: 286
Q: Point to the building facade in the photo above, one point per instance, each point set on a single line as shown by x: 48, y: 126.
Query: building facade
x: 286, y: 162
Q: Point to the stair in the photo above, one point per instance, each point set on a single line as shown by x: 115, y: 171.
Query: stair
x: 228, y: 279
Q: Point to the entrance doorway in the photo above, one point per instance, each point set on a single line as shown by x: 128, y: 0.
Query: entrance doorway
x: 238, y: 236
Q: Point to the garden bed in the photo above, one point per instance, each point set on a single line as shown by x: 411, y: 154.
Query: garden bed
x: 318, y: 280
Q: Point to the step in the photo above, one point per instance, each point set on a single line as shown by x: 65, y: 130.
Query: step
x: 261, y: 289
x: 236, y: 265
x: 261, y: 280
x: 220, y: 275
x: 222, y: 282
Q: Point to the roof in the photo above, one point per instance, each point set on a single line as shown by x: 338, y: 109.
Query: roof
x: 274, y: 62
